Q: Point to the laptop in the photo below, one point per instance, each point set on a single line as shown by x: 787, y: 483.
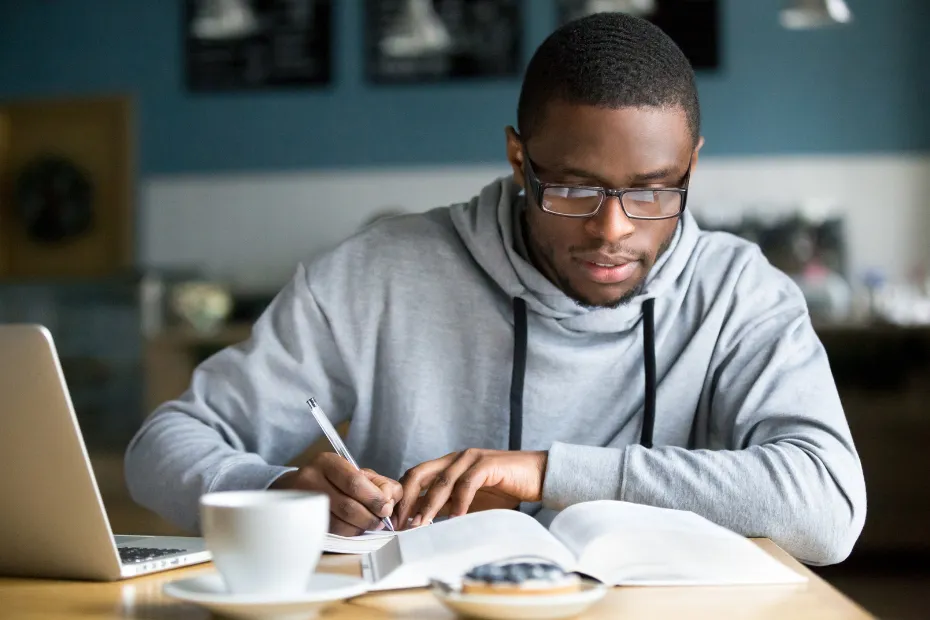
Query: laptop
x: 53, y: 522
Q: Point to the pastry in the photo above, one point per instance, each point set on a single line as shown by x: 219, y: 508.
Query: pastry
x: 519, y: 578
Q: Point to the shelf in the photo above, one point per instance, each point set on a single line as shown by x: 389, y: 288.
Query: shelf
x: 230, y: 334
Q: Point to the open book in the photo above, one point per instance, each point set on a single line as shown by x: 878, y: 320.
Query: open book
x: 617, y: 543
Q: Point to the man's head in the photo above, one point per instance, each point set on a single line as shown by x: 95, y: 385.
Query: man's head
x: 607, y: 101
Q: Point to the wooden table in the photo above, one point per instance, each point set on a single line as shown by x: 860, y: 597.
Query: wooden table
x: 34, y: 599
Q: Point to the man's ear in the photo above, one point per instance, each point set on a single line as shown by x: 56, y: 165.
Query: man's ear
x: 515, y: 155
x: 696, y: 152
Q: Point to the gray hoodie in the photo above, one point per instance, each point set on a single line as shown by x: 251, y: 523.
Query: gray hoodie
x: 407, y: 328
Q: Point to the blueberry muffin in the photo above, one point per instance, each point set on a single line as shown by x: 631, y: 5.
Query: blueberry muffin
x: 519, y: 578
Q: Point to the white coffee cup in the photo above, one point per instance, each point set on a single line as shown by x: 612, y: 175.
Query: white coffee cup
x: 266, y: 542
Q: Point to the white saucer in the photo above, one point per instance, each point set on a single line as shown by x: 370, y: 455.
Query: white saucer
x: 209, y: 591
x: 544, y: 606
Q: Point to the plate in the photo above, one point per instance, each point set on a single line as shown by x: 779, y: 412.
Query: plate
x: 209, y: 591
x: 502, y: 607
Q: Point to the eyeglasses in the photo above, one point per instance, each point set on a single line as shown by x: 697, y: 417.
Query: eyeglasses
x: 585, y: 201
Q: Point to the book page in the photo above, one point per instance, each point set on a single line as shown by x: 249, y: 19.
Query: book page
x: 621, y: 543
x: 448, y: 549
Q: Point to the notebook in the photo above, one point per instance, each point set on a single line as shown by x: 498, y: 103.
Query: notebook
x: 617, y: 543
x: 363, y: 543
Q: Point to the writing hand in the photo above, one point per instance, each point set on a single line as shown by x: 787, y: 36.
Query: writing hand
x: 357, y: 499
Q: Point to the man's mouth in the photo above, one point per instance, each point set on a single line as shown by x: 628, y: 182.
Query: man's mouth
x: 609, y: 271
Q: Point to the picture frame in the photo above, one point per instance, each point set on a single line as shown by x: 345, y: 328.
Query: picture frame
x: 251, y: 45
x: 417, y: 41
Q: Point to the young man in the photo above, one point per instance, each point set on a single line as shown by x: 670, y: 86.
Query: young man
x: 568, y: 335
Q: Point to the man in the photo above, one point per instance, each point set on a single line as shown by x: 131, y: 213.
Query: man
x: 548, y: 343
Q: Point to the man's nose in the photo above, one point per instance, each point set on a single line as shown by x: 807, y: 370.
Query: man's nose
x: 610, y: 223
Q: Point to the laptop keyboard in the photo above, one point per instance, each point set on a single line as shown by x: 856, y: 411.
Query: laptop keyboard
x: 131, y: 555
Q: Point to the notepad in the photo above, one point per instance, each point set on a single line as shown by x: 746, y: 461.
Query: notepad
x: 363, y: 543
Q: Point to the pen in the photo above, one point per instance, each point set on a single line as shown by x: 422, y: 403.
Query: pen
x: 336, y: 441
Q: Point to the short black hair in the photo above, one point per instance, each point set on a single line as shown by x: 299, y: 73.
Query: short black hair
x: 610, y: 60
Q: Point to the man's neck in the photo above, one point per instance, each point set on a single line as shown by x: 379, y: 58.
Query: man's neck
x: 521, y: 241
x: 524, y: 246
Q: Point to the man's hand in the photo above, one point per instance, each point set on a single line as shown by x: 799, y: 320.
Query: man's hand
x: 357, y: 499
x: 455, y: 478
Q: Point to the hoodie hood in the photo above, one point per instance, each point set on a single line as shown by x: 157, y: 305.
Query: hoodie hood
x: 489, y: 226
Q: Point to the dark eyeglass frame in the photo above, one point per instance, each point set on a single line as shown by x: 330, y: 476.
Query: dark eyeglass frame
x: 538, y: 187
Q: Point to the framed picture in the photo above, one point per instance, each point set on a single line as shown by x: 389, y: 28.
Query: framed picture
x: 437, y: 40
x: 692, y: 24
x: 234, y: 45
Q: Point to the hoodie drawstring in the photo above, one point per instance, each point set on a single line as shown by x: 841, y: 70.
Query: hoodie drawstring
x: 519, y: 373
x: 649, y: 362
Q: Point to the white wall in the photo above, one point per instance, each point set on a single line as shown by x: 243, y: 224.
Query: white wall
x: 252, y: 229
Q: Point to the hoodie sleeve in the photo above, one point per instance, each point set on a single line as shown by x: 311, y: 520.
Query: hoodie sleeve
x: 244, y: 415
x: 790, y: 471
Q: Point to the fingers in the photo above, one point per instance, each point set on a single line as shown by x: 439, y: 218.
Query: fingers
x: 357, y: 486
x: 340, y: 527
x: 355, y: 497
x: 463, y: 494
x: 413, y: 483
x: 447, y: 484
x: 348, y: 510
x: 391, y: 489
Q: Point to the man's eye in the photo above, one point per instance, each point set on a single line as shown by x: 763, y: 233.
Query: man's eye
x: 571, y: 192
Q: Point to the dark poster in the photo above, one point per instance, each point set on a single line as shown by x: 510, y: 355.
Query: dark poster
x: 692, y: 24
x: 257, y: 44
x: 435, y: 40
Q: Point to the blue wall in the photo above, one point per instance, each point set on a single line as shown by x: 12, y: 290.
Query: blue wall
x: 853, y: 89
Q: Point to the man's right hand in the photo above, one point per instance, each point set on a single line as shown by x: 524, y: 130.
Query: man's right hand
x: 357, y: 499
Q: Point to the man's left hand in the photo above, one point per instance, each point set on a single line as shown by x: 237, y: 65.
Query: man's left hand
x: 456, y: 478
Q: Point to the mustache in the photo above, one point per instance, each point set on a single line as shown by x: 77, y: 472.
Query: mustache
x: 625, y: 253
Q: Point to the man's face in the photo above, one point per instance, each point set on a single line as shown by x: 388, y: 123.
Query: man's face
x: 613, y: 148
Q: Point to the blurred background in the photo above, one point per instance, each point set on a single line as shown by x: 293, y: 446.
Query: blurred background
x: 164, y: 166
